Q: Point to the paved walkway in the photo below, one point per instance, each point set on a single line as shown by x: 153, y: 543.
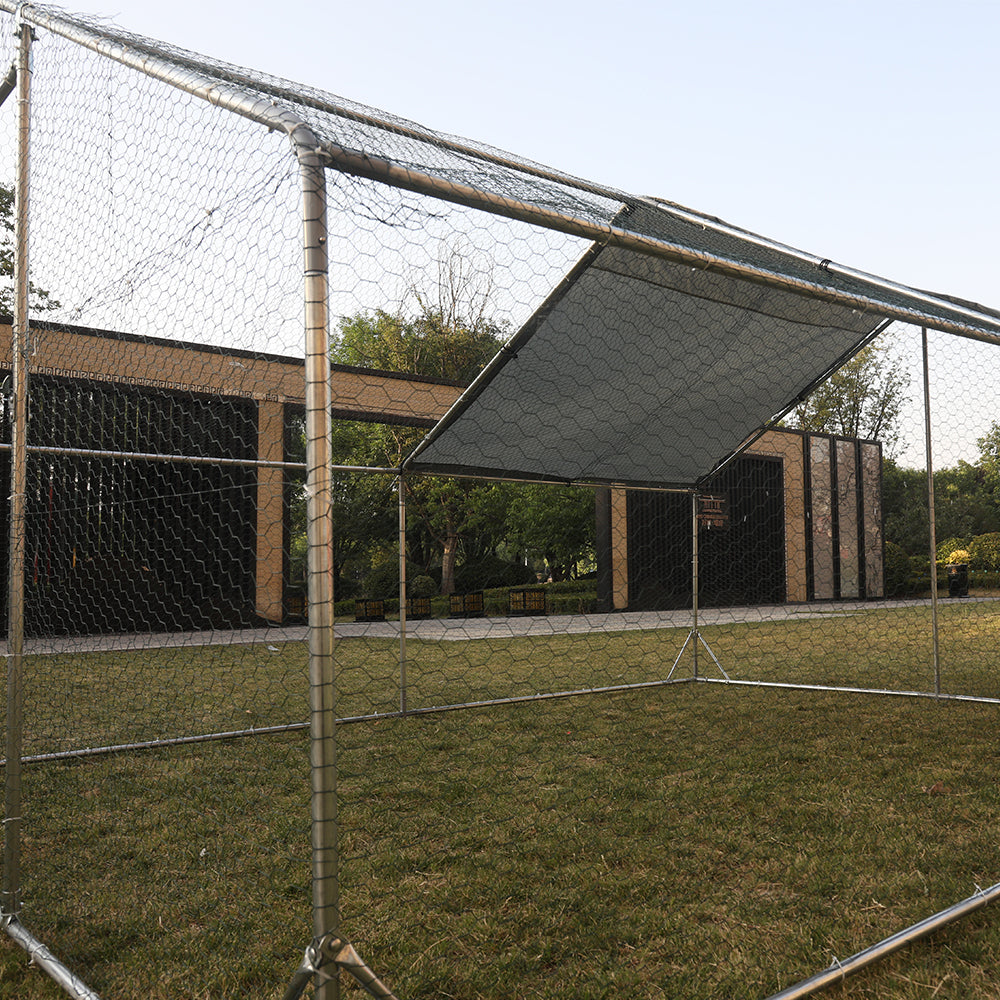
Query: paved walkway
x: 480, y: 628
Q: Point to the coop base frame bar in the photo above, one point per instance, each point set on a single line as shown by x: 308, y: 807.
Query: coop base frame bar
x: 836, y: 972
x: 834, y: 689
x: 47, y: 962
x: 291, y: 727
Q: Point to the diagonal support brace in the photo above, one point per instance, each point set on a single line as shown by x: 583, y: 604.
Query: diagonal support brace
x: 331, y: 949
x: 694, y: 637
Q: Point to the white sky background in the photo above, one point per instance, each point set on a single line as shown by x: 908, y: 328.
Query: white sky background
x: 864, y: 132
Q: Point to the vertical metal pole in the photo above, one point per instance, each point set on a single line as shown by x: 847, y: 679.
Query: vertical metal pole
x: 694, y: 577
x: 932, y: 530
x: 18, y: 461
x: 322, y: 691
x: 402, y: 595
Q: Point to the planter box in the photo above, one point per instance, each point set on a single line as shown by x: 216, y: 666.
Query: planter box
x: 958, y: 580
x: 369, y: 611
x: 527, y: 602
x: 418, y: 608
x: 467, y: 605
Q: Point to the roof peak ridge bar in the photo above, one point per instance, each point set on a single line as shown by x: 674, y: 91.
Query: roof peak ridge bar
x: 979, y: 325
x: 823, y: 263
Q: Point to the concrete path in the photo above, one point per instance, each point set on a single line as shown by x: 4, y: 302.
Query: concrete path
x: 480, y: 628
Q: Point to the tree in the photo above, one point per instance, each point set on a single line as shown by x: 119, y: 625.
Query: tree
x: 904, y: 505
x: 966, y: 499
x: 965, y: 503
x: 38, y: 298
x: 448, y: 510
x: 450, y: 336
x: 554, y: 523
x: 988, y: 464
x: 862, y: 399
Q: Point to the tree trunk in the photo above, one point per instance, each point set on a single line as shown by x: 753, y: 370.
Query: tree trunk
x: 448, y: 557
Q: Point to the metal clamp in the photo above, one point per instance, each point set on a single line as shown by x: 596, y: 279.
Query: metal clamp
x: 333, y: 949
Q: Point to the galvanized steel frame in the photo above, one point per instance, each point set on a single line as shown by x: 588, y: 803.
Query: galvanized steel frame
x: 314, y: 158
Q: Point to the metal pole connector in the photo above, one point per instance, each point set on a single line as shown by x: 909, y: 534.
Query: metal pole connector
x: 332, y: 949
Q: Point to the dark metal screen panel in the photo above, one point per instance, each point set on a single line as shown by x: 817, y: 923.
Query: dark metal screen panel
x: 741, y: 554
x: 118, y: 545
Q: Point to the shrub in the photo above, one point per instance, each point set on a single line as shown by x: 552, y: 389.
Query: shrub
x: 586, y: 585
x: 579, y: 603
x: 984, y: 551
x: 422, y: 586
x: 946, y: 547
x: 898, y: 579
x: 382, y: 581
x: 491, y: 572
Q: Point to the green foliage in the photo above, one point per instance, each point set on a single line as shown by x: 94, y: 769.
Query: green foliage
x: 582, y: 585
x: 898, y: 581
x: 383, y: 580
x: 422, y: 586
x: 947, y: 547
x: 965, y: 505
x: 904, y: 502
x: 573, y: 604
x: 555, y: 524
x: 39, y: 300
x: 492, y: 571
x: 984, y: 551
x: 423, y: 345
x: 862, y: 399
x: 364, y: 521
x: 450, y: 334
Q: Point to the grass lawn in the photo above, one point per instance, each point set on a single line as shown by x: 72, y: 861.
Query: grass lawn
x: 687, y: 841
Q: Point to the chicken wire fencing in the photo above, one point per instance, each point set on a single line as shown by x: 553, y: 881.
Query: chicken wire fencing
x: 572, y: 443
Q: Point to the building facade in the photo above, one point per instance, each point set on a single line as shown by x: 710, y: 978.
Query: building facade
x: 797, y: 517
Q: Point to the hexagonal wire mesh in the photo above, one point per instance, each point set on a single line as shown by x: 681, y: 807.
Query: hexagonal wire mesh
x: 611, y: 511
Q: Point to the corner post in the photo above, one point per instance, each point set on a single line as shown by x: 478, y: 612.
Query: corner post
x: 931, y: 527
x: 319, y: 449
x: 403, y: 700
x: 11, y: 897
x: 694, y: 579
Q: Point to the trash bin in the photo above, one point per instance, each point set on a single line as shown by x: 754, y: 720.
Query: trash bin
x: 958, y: 579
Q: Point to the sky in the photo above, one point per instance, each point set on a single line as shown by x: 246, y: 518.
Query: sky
x: 863, y: 132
